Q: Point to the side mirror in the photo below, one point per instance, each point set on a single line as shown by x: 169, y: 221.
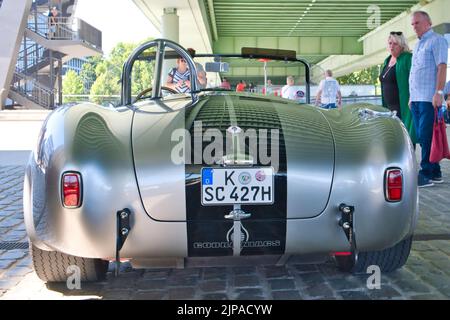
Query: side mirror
x: 217, y: 67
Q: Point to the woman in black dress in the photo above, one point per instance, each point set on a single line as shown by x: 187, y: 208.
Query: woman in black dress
x: 394, y: 80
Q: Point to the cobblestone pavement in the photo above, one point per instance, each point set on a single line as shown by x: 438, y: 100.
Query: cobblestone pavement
x: 425, y: 276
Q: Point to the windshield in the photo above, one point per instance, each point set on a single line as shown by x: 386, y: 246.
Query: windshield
x: 264, y: 76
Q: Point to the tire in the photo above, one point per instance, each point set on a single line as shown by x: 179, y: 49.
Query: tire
x: 51, y: 266
x: 387, y: 260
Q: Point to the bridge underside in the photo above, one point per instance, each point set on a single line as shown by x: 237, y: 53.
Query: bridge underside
x: 342, y: 35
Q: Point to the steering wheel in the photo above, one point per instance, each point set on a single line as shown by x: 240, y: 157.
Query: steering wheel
x: 142, y: 94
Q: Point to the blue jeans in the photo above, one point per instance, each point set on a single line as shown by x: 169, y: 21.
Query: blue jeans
x: 329, y: 106
x: 423, y: 118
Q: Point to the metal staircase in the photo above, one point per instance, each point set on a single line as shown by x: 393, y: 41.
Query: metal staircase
x: 35, y: 59
x: 35, y: 78
x: 46, y: 45
x: 27, y: 91
x: 31, y: 85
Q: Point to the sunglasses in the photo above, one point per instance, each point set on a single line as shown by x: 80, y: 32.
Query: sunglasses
x: 398, y: 33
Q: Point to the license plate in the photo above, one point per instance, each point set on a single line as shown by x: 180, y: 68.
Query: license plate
x: 237, y: 186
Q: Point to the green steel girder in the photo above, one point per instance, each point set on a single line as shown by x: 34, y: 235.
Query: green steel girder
x: 305, y: 46
x: 281, y: 18
x: 314, y: 28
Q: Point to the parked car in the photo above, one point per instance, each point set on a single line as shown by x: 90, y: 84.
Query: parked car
x: 212, y: 172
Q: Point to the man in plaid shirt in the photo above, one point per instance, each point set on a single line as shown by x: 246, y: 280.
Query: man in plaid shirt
x: 426, y: 84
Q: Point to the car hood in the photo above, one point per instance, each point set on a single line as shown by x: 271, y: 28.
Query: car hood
x: 170, y: 191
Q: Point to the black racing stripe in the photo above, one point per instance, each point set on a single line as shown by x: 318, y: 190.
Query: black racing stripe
x: 207, y: 229
x: 267, y: 225
x: 206, y: 226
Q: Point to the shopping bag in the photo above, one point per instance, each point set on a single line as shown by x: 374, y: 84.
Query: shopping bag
x: 439, y: 143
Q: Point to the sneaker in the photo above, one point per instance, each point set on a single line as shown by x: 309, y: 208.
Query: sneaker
x: 437, y: 179
x: 424, y: 182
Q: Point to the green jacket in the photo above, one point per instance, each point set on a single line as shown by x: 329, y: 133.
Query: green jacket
x: 402, y: 69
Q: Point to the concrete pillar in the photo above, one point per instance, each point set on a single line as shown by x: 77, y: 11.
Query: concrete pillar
x: 170, y: 24
x: 169, y: 30
x: 13, y: 17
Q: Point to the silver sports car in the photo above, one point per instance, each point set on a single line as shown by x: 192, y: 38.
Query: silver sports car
x: 187, y: 167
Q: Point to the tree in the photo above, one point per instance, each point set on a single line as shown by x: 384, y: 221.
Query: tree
x: 142, y: 77
x: 104, y: 87
x: 72, y: 85
x: 108, y: 73
x: 365, y: 76
x: 87, y: 74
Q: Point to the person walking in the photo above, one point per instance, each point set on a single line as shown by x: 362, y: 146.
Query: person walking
x: 52, y: 22
x: 225, y: 84
x: 289, y: 91
x: 426, y: 84
x: 394, y: 80
x: 240, y: 87
x: 329, y: 90
x: 268, y: 89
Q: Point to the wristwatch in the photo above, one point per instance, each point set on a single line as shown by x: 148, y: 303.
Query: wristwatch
x: 440, y: 92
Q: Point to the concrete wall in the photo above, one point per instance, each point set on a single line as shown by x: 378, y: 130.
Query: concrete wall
x: 13, y: 17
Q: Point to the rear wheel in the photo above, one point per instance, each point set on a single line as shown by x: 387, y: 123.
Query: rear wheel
x: 387, y: 260
x: 52, y: 266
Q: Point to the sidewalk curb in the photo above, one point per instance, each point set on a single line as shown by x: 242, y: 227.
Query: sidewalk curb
x: 24, y: 115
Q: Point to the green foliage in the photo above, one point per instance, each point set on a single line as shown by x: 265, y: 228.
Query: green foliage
x: 366, y: 76
x: 88, y: 74
x: 72, y: 85
x: 104, y: 85
x: 105, y: 73
x: 142, y: 77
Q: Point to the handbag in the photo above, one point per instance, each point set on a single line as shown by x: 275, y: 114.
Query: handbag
x: 439, y: 143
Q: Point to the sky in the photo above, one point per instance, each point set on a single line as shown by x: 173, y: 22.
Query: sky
x: 119, y: 21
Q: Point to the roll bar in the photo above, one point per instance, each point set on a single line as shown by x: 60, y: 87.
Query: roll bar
x: 160, y: 44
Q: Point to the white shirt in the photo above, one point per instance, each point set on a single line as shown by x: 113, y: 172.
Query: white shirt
x: 330, y: 88
x: 289, y: 92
